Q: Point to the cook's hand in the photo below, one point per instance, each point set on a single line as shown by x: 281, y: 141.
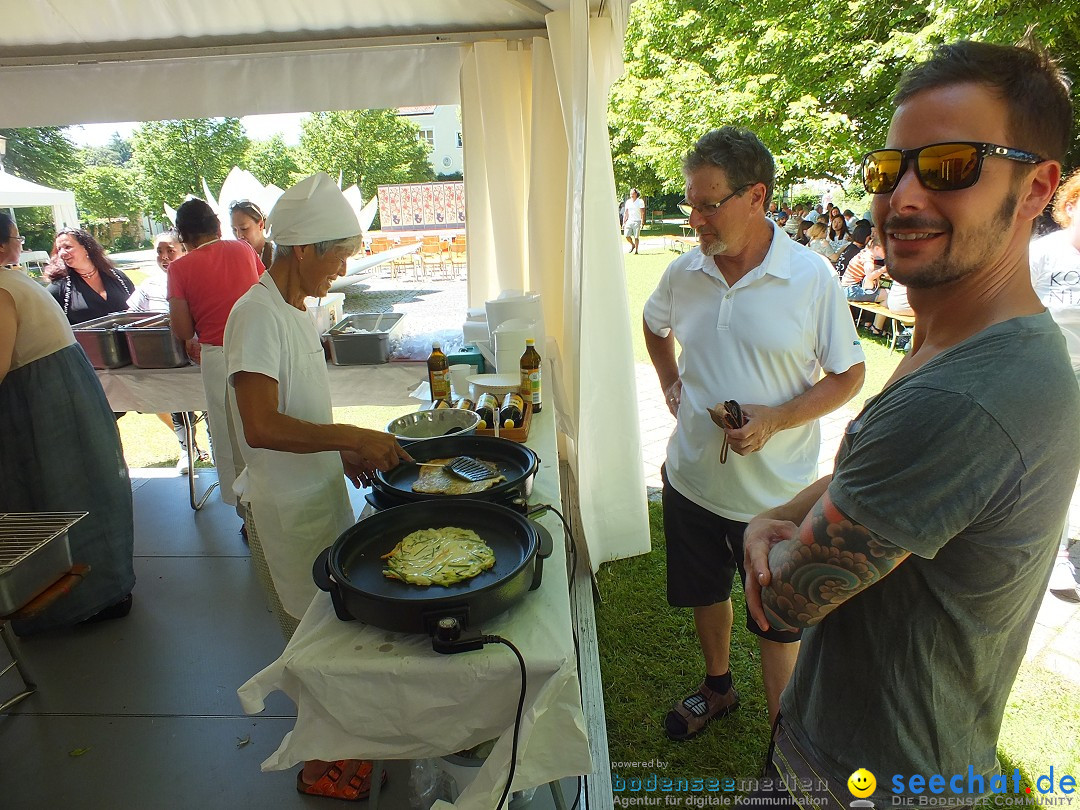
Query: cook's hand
x: 356, y: 470
x: 673, y: 396
x: 762, y: 423
x: 760, y: 536
x: 378, y: 450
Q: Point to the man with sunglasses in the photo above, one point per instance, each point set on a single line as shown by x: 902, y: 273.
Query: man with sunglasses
x: 919, y: 566
x: 759, y: 320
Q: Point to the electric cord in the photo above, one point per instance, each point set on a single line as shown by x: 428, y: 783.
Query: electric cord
x: 517, y: 718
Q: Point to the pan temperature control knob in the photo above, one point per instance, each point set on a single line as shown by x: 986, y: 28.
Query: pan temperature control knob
x: 449, y: 637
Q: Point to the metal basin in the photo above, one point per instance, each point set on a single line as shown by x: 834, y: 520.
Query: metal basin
x: 430, y: 424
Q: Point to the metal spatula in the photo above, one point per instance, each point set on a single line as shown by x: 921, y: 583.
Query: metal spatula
x: 465, y: 467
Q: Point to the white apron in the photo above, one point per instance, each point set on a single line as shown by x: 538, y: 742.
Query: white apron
x: 299, y: 501
x: 228, y: 458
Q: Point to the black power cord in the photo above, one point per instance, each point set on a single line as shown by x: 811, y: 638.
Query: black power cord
x: 450, y: 639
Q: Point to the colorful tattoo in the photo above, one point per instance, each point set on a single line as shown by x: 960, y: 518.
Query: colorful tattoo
x: 831, y: 561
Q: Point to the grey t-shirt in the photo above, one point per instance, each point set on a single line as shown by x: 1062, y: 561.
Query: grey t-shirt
x: 969, y: 462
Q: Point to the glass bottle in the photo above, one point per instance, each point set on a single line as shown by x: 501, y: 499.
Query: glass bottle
x: 513, y: 410
x: 530, y: 375
x: 438, y: 373
x: 487, y: 407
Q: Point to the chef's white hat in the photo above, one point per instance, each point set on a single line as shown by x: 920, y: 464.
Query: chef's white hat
x: 314, y: 210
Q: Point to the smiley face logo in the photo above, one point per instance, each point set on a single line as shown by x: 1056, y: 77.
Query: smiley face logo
x: 861, y: 783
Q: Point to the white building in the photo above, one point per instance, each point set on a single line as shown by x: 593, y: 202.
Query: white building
x: 440, y: 129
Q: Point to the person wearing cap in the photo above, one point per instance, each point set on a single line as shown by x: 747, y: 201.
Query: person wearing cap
x: 279, y: 397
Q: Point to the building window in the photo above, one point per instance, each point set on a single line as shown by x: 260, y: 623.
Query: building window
x: 428, y: 136
x: 459, y: 140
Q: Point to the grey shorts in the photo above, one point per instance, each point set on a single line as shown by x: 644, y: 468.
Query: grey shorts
x: 632, y: 229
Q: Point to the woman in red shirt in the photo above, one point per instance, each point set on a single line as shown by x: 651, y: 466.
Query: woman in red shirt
x: 203, y: 286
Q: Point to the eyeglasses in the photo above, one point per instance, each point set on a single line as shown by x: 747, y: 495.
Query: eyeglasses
x: 708, y: 209
x: 21, y: 239
x: 939, y: 166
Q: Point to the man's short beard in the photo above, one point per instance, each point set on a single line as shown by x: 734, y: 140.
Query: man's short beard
x: 947, y: 269
x: 714, y: 248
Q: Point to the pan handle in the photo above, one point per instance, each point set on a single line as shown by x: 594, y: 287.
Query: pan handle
x: 542, y: 553
x: 320, y: 571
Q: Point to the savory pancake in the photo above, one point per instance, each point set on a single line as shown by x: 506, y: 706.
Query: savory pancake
x: 438, y: 557
x: 438, y: 481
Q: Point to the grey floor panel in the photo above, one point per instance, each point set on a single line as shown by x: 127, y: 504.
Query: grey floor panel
x: 166, y: 525
x: 143, y: 763
x: 199, y: 629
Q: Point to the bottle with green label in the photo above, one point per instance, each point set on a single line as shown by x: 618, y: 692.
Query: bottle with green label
x: 438, y: 374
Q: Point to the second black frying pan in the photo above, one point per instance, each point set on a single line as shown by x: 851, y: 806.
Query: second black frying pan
x: 516, y: 462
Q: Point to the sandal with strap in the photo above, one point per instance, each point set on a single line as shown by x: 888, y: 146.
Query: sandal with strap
x: 689, y: 716
x: 326, y: 786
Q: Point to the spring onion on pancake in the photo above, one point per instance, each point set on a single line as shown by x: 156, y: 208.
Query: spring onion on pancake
x: 443, y: 556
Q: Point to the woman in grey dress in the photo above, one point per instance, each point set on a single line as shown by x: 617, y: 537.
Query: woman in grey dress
x: 59, y: 448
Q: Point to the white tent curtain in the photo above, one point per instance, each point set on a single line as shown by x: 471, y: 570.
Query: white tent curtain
x: 18, y: 193
x: 541, y: 207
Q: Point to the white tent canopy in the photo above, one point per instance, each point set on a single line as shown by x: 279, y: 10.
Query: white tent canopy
x: 18, y: 193
x: 532, y: 78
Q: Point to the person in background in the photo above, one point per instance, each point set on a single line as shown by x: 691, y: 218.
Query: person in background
x: 862, y: 276
x: 59, y: 447
x: 935, y: 536
x: 801, y: 232
x: 850, y: 218
x: 83, y: 281
x: 203, y: 286
x: 297, y: 456
x: 838, y: 235
x: 1055, y: 275
x: 249, y: 224
x: 713, y: 300
x: 816, y: 234
x: 633, y: 219
x: 152, y: 296
x: 859, y: 236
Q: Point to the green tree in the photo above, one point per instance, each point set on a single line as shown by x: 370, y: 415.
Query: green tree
x: 272, y: 161
x: 103, y: 192
x: 174, y: 157
x: 816, y: 87
x: 41, y: 155
x: 366, y: 147
x: 117, y: 152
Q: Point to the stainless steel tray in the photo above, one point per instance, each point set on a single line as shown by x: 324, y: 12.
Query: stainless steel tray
x: 34, y: 553
x: 152, y: 343
x: 103, y: 341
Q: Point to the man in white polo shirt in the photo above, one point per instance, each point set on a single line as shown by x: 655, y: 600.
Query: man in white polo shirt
x: 760, y: 320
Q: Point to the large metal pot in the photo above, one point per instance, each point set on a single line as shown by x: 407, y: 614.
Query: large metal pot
x: 351, y: 569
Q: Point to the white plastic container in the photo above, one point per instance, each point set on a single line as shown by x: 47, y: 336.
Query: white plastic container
x: 325, y: 311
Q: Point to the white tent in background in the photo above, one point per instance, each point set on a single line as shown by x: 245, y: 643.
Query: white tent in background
x: 18, y: 193
x: 364, y: 213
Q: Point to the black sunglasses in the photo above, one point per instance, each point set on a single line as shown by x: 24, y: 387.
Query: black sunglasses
x: 939, y: 166
x: 708, y: 209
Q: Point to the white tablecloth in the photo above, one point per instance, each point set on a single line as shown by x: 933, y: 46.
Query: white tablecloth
x: 168, y: 390
x: 362, y: 692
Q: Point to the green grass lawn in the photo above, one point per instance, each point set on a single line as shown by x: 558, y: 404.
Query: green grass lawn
x: 649, y: 653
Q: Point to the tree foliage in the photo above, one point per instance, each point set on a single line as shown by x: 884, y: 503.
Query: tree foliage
x: 366, y: 147
x: 103, y: 192
x: 814, y: 84
x: 272, y: 161
x: 117, y: 152
x: 173, y: 157
x: 41, y: 155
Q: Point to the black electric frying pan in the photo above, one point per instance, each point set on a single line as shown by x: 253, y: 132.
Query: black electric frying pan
x: 351, y: 569
x: 516, y: 462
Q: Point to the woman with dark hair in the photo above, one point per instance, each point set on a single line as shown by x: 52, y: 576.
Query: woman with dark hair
x: 203, y: 285
x: 249, y: 225
x: 838, y: 237
x: 84, y: 282
x: 59, y: 448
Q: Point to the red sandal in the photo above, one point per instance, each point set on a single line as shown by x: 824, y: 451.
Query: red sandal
x: 358, y: 788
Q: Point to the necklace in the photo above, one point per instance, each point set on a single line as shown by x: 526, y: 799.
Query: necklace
x: 204, y: 244
x: 91, y: 274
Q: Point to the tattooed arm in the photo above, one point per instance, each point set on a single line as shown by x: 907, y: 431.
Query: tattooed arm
x: 796, y: 575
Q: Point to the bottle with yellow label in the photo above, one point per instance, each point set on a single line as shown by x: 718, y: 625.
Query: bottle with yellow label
x: 513, y: 410
x: 438, y: 374
x: 464, y: 404
x: 530, y: 375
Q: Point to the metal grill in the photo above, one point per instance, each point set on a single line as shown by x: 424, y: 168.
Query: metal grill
x: 23, y: 533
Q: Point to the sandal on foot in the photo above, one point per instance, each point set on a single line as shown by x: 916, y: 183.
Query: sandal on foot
x: 689, y: 716
x: 358, y: 788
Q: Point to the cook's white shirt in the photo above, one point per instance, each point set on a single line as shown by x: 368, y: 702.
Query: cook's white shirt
x: 764, y: 340
x: 299, y: 500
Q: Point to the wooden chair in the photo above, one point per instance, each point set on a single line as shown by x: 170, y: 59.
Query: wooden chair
x: 431, y: 255
x: 457, y: 255
x: 408, y: 261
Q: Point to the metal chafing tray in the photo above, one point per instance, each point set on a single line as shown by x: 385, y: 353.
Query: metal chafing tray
x: 152, y: 343
x: 34, y: 553
x: 103, y: 341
